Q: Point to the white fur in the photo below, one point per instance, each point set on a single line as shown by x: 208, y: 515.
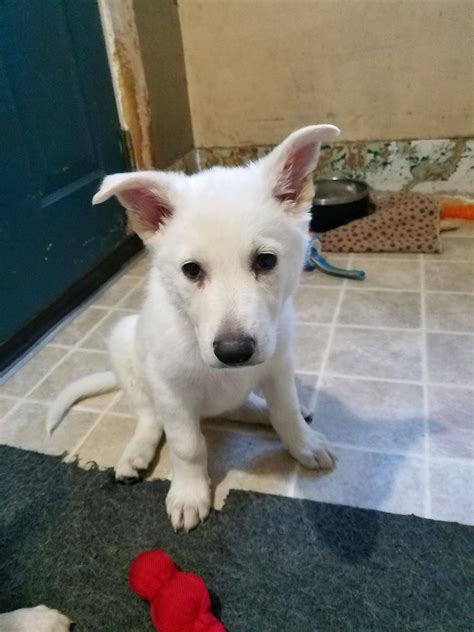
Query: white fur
x: 164, y: 358
x: 95, y: 384
x: 38, y: 619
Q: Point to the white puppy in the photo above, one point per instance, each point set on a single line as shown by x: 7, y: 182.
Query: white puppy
x: 227, y: 248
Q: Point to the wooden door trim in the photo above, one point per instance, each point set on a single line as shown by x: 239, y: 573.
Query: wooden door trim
x: 128, y: 78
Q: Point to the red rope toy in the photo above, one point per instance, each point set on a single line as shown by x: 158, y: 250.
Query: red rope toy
x: 179, y: 601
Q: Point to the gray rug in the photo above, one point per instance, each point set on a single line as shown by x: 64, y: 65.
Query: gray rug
x: 272, y: 564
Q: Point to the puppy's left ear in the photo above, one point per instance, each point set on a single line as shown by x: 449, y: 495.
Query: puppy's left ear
x: 289, y: 166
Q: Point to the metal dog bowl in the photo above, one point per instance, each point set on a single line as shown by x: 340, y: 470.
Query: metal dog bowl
x: 338, y: 201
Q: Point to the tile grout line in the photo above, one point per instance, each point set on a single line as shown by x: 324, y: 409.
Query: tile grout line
x: 322, y: 368
x: 424, y: 369
x: 68, y: 347
x: 267, y: 431
x: 332, y: 331
x: 382, y: 289
x: 382, y: 328
x: 293, y: 481
x: 74, y: 451
x: 82, y: 408
x: 75, y: 347
x: 374, y: 378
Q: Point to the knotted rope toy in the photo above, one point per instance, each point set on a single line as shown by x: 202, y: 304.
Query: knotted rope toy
x: 179, y: 601
x: 314, y: 259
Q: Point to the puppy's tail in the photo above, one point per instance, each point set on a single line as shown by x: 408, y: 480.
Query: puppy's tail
x: 94, y: 384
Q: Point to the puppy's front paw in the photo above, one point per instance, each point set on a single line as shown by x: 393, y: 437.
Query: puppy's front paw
x: 188, y: 503
x: 136, y: 458
x: 312, y: 453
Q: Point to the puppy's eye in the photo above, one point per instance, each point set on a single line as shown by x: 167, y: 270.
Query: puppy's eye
x: 192, y: 270
x: 264, y: 262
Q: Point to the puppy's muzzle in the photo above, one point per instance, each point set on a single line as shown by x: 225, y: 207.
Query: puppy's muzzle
x: 234, y: 350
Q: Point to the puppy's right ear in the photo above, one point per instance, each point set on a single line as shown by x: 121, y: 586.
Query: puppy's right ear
x: 288, y: 168
x: 145, y: 195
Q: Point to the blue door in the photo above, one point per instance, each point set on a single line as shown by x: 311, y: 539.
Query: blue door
x: 59, y: 135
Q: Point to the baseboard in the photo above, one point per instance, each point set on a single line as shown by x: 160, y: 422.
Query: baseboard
x: 15, y: 346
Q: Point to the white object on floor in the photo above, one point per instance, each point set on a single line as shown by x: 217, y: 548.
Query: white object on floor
x: 38, y: 619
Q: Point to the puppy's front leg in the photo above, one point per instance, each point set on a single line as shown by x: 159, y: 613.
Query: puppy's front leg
x: 303, y: 443
x: 189, y: 498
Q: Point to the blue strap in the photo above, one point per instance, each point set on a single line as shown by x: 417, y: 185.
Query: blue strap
x: 315, y: 260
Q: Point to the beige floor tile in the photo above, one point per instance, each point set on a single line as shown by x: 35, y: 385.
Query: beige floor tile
x: 466, y: 229
x: 450, y: 358
x: 79, y: 326
x: 76, y: 365
x: 122, y: 406
x: 97, y: 403
x: 105, y: 444
x: 449, y: 277
x: 383, y: 416
x: 140, y: 266
x: 450, y: 312
x: 376, y: 353
x: 370, y: 480
x: 31, y: 373
x: 316, y: 305
x: 452, y: 486
x: 114, y: 292
x: 383, y: 274
x: 451, y: 422
x: 6, y: 404
x: 455, y: 249
x: 380, y: 309
x: 254, y: 461
x: 311, y: 342
x: 337, y: 259
x: 98, y: 338
x: 316, y: 277
x: 135, y: 300
x: 390, y: 256
x: 306, y: 387
x: 107, y: 441
x: 25, y: 428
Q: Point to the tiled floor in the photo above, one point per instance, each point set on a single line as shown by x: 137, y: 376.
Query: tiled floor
x: 387, y: 365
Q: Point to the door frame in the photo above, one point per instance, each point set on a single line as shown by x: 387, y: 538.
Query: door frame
x: 128, y: 77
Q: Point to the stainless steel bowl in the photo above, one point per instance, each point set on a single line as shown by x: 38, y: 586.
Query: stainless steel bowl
x: 338, y: 201
x: 339, y: 191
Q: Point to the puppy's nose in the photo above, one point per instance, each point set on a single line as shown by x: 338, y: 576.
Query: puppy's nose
x: 234, y: 350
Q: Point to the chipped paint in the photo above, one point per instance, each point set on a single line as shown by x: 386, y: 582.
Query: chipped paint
x: 125, y: 61
x: 424, y: 166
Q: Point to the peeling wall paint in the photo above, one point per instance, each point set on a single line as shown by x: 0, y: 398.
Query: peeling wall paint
x: 424, y: 166
x: 123, y: 50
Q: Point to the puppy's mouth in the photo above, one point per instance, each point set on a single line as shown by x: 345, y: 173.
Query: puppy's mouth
x: 217, y: 364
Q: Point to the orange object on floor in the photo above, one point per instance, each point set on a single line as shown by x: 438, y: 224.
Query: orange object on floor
x: 457, y: 210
